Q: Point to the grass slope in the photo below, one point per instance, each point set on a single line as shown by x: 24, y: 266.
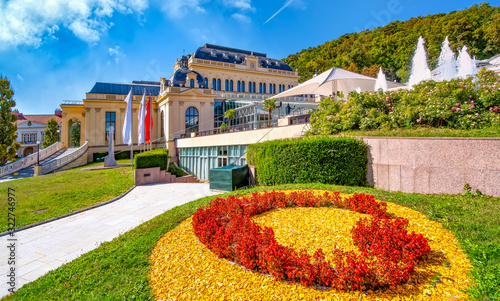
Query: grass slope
x: 118, y: 270
x: 64, y: 192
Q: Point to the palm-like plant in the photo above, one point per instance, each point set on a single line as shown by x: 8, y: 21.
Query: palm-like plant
x: 229, y: 114
x: 269, y: 105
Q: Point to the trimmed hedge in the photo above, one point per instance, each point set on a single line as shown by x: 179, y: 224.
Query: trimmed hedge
x: 340, y: 161
x: 154, y: 158
x: 99, y: 156
x: 176, y: 170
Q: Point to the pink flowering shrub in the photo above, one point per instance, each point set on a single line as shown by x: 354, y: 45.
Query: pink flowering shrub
x: 459, y: 103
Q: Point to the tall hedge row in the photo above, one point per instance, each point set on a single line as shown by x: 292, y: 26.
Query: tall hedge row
x: 153, y: 158
x: 327, y: 160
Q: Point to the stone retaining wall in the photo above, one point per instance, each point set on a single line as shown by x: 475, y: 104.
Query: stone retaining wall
x: 154, y: 175
x: 434, y: 165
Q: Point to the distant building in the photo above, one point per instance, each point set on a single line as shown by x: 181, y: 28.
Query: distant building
x: 31, y: 128
x: 193, y: 99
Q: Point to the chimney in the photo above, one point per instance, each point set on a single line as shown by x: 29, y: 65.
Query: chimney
x: 19, y: 114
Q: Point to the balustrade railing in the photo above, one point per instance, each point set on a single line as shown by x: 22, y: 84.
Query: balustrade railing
x: 29, y: 160
x: 60, y: 162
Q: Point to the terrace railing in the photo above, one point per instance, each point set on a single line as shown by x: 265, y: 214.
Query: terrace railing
x: 29, y: 160
x: 247, y: 127
x: 60, y: 162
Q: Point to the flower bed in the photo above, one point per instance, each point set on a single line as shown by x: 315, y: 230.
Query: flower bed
x: 185, y: 269
x: 388, y: 254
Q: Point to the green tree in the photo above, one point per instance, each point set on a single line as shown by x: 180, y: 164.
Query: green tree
x: 51, y: 135
x: 269, y: 105
x: 8, y: 126
x: 75, y: 134
x: 392, y: 46
x: 229, y: 114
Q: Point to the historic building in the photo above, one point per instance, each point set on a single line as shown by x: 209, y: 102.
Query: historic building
x: 193, y: 99
x: 31, y: 129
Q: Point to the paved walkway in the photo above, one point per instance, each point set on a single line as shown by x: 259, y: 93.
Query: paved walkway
x: 47, y: 247
x: 30, y: 170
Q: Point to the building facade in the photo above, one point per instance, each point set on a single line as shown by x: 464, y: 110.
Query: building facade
x: 31, y: 129
x: 193, y: 99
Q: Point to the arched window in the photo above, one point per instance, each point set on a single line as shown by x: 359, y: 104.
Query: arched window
x: 218, y: 84
x: 205, y: 84
x: 214, y: 84
x: 191, y: 83
x: 238, y: 86
x: 227, y: 85
x: 260, y: 87
x: 231, y: 85
x: 264, y: 88
x: 162, y: 127
x: 242, y: 86
x: 253, y: 87
x: 250, y: 87
x: 192, y: 120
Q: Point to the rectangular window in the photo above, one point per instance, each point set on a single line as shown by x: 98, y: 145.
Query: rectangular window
x: 29, y: 138
x: 110, y: 121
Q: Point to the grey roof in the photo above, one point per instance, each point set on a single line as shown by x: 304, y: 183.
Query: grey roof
x: 237, y: 56
x: 178, y: 79
x: 123, y: 89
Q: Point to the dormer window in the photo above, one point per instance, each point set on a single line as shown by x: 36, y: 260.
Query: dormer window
x: 268, y: 62
x: 213, y: 53
x: 225, y: 55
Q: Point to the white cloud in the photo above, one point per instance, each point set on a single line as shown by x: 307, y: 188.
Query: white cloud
x: 20, y: 77
x: 27, y: 22
x: 177, y: 9
x: 239, y: 4
x: 115, y: 53
x: 241, y: 18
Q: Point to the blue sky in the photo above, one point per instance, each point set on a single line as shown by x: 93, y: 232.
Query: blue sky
x: 55, y: 50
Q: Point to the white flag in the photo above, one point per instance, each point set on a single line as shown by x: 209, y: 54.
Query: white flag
x: 142, y: 117
x: 127, y: 123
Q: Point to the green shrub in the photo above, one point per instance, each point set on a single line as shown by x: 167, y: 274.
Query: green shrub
x: 153, y: 158
x: 326, y: 160
x: 176, y: 170
x: 119, y: 155
x: 471, y: 103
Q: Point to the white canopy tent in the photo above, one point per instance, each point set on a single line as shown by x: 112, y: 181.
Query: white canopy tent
x: 332, y: 81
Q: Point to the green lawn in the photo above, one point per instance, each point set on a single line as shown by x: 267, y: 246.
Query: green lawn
x: 44, y: 197
x: 118, y: 270
x: 428, y: 132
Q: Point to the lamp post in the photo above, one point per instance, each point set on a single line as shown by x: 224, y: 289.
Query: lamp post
x: 37, y: 152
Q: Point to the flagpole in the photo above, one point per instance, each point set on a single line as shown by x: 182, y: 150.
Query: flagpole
x: 132, y: 127
x: 150, y: 122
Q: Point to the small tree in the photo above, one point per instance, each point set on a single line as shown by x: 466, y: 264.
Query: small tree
x: 75, y: 134
x: 269, y: 105
x: 51, y: 135
x: 8, y: 126
x: 229, y: 114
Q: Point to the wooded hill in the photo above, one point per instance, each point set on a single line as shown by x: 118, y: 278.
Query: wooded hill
x: 392, y: 46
